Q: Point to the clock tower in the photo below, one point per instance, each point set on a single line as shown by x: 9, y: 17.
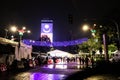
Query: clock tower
x: 47, y: 29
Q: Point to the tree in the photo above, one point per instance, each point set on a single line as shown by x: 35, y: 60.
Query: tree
x: 96, y: 42
x: 111, y: 48
x: 84, y: 47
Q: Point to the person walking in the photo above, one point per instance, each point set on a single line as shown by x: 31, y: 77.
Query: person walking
x: 80, y: 60
x: 92, y: 61
x: 86, y: 61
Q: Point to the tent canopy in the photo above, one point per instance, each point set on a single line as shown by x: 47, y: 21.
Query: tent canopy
x: 7, y: 41
x: 59, y: 53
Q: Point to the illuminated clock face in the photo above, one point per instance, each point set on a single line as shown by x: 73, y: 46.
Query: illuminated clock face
x: 46, y: 28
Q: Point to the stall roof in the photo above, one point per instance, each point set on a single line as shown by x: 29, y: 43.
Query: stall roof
x: 60, y: 53
x: 7, y: 41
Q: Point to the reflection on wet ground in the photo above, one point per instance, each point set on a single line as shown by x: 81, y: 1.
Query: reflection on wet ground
x: 64, y: 66
x: 103, y: 77
x: 72, y: 65
x: 49, y: 72
x: 39, y: 76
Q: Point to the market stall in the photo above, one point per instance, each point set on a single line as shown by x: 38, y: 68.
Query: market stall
x: 59, y: 53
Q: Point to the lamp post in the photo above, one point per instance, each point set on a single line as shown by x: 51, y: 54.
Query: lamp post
x: 86, y: 28
x: 6, y: 33
x: 20, y: 31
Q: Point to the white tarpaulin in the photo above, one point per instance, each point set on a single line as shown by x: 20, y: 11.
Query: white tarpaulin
x: 59, y: 53
x: 24, y: 51
x: 7, y: 41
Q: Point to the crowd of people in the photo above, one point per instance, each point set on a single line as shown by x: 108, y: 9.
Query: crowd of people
x: 38, y: 61
x: 82, y: 60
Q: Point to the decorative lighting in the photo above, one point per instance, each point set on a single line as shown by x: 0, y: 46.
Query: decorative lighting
x: 85, y: 27
x: 14, y: 28
x: 64, y: 43
x: 24, y: 28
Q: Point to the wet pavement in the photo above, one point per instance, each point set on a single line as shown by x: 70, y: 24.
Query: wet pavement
x: 103, y: 71
x: 103, y: 77
x: 46, y: 72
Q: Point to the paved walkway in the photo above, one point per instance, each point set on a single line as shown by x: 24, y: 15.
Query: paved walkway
x: 49, y: 72
x: 46, y: 72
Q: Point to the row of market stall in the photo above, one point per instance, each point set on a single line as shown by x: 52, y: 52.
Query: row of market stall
x: 22, y: 51
x: 11, y: 50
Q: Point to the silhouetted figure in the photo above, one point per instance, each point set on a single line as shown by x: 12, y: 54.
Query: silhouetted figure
x: 80, y: 60
x: 46, y: 60
x: 68, y: 60
x: 54, y: 59
x: 14, y: 65
x: 92, y: 61
x: 86, y: 61
x: 100, y: 50
x: 73, y: 59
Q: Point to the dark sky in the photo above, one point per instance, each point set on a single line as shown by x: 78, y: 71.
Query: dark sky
x: 29, y: 13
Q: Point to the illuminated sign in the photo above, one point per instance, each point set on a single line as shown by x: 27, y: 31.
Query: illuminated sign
x: 47, y: 30
x: 46, y: 27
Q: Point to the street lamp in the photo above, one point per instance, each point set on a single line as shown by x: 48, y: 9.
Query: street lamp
x: 87, y: 27
x: 6, y: 33
x: 20, y: 31
x: 13, y: 28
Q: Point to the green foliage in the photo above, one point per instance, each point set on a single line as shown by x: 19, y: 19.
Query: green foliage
x: 94, y: 43
x: 91, y: 44
x: 84, y: 47
x: 112, y: 47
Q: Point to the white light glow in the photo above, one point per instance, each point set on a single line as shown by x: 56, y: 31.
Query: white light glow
x: 85, y: 27
x: 24, y: 28
x: 28, y: 31
x: 14, y: 28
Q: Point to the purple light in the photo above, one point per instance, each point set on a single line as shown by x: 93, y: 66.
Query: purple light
x: 64, y: 43
x: 44, y: 76
x: 46, y: 28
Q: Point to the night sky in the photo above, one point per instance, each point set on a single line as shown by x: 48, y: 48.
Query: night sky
x: 29, y: 13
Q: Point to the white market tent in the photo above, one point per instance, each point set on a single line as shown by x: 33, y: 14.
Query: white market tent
x: 23, y: 52
x: 59, y: 53
x: 7, y: 41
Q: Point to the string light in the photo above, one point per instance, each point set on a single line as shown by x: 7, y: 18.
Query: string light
x: 64, y: 43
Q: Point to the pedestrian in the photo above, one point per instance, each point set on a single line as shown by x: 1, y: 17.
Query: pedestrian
x: 80, y: 60
x: 68, y: 60
x: 54, y: 59
x: 92, y: 61
x: 39, y: 60
x: 86, y: 61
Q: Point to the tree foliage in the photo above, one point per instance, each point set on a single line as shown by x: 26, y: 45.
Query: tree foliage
x: 94, y: 43
x: 112, y: 47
